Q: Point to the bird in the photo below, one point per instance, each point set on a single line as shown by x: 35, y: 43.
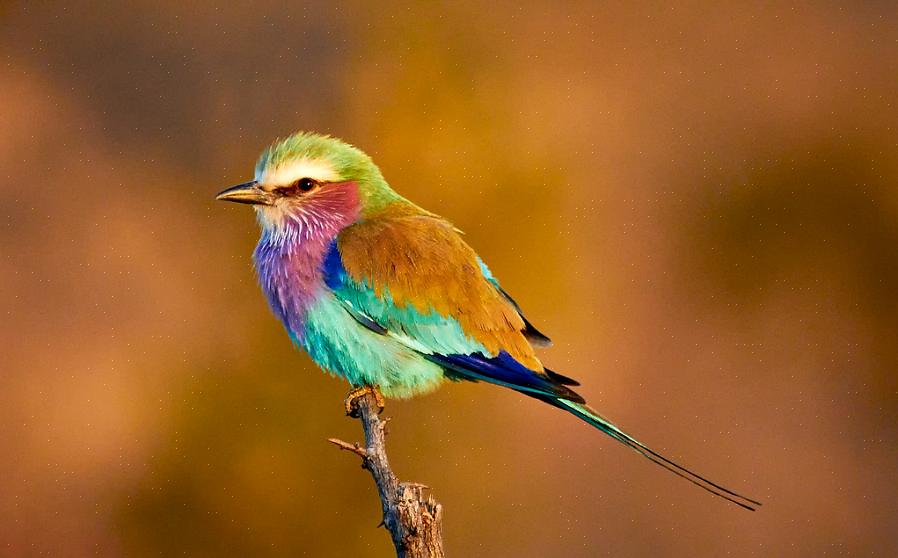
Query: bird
x: 389, y: 296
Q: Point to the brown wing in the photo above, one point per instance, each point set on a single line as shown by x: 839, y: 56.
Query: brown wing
x: 421, y: 260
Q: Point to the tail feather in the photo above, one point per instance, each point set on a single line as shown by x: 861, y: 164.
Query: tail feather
x: 551, y: 388
x: 587, y: 414
x: 561, y: 379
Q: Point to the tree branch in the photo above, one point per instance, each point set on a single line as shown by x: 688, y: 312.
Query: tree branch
x: 415, y: 522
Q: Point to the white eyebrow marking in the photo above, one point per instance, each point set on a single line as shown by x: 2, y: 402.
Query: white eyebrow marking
x: 284, y: 175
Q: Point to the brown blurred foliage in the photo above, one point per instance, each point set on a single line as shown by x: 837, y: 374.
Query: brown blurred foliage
x: 696, y: 201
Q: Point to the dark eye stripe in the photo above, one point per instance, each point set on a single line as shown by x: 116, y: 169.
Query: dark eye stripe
x: 286, y: 190
x: 301, y: 186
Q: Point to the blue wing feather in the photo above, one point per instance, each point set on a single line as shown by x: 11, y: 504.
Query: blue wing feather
x: 505, y: 371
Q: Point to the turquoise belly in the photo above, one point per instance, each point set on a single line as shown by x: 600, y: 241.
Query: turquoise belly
x: 345, y: 348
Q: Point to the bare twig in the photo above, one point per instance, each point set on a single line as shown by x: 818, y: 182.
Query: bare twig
x: 414, y: 521
x: 354, y: 448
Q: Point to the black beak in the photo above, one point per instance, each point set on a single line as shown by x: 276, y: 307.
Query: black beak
x: 248, y: 192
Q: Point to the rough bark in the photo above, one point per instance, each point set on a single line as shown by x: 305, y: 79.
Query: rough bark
x: 413, y: 519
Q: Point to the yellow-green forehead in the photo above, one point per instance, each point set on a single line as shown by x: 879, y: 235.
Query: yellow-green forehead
x: 319, y: 150
x: 303, y: 145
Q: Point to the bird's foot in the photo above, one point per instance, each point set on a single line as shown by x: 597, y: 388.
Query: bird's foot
x: 351, y: 402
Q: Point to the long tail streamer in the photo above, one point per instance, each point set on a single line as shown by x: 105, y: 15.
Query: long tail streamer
x: 584, y: 412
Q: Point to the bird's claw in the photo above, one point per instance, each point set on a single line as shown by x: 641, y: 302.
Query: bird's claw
x: 351, y: 402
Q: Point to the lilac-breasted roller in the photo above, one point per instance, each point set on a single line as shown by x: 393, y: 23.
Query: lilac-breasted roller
x: 387, y: 295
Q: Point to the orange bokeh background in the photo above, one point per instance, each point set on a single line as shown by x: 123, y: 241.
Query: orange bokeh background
x: 697, y: 202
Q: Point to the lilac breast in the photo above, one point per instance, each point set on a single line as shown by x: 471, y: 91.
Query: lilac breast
x: 290, y: 256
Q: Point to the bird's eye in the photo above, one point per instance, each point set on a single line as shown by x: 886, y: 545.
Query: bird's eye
x: 306, y: 184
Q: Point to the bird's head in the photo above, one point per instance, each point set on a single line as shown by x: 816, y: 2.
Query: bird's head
x: 310, y: 182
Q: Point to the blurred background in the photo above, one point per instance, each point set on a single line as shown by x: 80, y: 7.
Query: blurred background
x: 697, y: 202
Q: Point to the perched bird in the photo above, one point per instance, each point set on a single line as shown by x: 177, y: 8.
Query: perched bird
x: 387, y: 295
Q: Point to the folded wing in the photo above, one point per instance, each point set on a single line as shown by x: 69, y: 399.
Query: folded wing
x: 413, y: 278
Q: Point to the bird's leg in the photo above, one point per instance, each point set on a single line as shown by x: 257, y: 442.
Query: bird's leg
x: 351, y: 399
